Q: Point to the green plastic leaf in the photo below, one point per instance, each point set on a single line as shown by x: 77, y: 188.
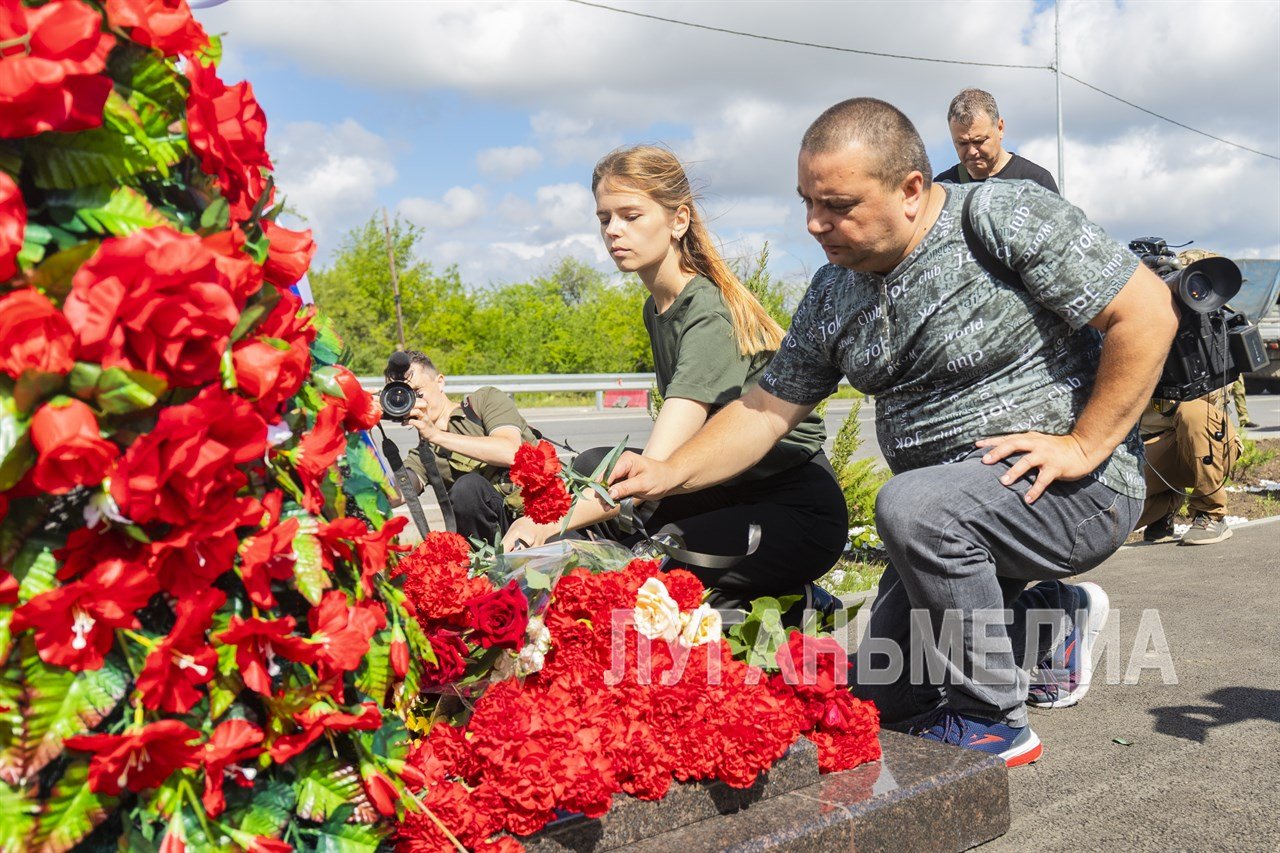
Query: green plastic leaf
x: 85, y: 159
x: 326, y: 379
x: 10, y: 157
x: 227, y: 370
x: 121, y: 391
x: 117, y: 212
x: 155, y: 90
x: 33, y: 387
x: 374, y: 676
x: 217, y: 216
x: 62, y: 704
x: 325, y: 784
x: 54, y: 274
x: 12, y: 726
x: 259, y: 308
x: 71, y: 812
x: 270, y: 809
x: 19, y: 807
x: 212, y: 53
x: 346, y: 838
x: 308, y: 571
x: 16, y: 453
x: 163, y: 149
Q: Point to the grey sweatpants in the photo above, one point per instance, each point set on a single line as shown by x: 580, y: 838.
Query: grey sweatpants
x: 954, y: 623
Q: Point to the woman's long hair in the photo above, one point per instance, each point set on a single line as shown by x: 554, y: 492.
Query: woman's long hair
x: 657, y: 174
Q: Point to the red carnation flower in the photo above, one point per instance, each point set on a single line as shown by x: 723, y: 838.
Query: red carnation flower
x: 75, y: 623
x: 228, y: 130
x: 257, y: 643
x: 72, y: 451
x: 13, y: 224
x: 232, y: 742
x: 183, y: 660
x: 288, y: 255
x: 685, y: 588
x: 51, y: 68
x: 436, y: 581
x: 139, y: 758
x: 34, y: 335
x: 547, y: 504
x: 158, y: 301
x: 165, y: 25
x: 500, y: 618
x: 535, y: 466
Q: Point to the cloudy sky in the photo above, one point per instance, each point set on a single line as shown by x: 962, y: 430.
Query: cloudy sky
x: 481, y: 121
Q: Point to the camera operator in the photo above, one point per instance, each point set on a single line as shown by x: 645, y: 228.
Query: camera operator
x: 475, y: 442
x: 1189, y: 445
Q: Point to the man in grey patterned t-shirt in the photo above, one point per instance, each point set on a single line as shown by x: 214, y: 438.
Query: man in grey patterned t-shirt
x: 1006, y: 396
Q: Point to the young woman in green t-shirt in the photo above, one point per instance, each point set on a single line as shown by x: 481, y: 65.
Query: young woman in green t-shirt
x: 711, y: 339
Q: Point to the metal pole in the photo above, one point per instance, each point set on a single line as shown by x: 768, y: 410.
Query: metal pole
x: 1057, y: 74
x: 395, y: 279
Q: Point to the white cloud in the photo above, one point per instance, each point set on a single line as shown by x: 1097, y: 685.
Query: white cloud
x: 457, y: 208
x: 735, y: 108
x: 508, y: 163
x: 330, y: 174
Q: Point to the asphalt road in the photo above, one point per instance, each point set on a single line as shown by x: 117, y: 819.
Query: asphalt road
x: 585, y: 428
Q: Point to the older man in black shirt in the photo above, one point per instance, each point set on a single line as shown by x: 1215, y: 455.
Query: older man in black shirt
x: 977, y: 132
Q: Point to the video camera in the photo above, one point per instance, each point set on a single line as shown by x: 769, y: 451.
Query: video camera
x: 1214, y: 344
x: 397, y: 397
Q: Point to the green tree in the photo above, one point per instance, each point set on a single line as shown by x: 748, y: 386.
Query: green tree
x: 356, y: 292
x: 775, y: 295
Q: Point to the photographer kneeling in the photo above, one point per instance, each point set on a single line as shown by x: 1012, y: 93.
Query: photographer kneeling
x: 475, y: 442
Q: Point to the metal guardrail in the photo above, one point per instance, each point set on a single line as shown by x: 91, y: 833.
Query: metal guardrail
x: 539, y: 383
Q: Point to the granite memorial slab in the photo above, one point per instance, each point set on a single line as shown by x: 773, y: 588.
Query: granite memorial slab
x: 919, y: 796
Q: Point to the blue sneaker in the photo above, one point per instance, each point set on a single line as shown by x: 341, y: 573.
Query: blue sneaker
x: 1062, y: 679
x: 1016, y: 745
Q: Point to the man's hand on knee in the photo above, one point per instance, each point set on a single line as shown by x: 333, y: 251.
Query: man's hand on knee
x: 1057, y: 457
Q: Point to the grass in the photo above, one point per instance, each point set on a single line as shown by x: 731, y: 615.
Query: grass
x: 1252, y: 457
x: 852, y: 576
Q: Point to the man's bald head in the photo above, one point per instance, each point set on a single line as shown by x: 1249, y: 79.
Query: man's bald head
x: 878, y: 127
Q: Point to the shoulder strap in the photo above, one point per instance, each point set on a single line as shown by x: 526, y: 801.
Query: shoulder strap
x: 981, y: 253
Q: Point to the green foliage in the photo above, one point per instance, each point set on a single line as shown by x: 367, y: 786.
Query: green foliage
x: 860, y: 479
x: 572, y: 320
x: 71, y: 811
x: 757, y: 638
x: 1251, y: 458
x: 325, y: 785
x: 774, y: 295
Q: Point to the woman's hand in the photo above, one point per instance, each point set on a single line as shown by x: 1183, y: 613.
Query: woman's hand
x: 524, y: 533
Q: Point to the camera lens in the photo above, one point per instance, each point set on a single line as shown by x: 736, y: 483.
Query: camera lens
x: 1198, y: 287
x: 397, y: 400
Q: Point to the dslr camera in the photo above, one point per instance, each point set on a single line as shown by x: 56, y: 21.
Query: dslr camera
x: 397, y: 397
x: 1213, y: 344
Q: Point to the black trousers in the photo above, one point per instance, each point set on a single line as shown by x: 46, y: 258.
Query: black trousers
x: 478, y: 507
x: 803, y: 521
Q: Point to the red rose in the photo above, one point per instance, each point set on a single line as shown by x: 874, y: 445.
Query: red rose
x: 288, y: 255
x: 72, y: 450
x: 166, y: 25
x: 271, y: 373
x: 158, y: 301
x: 139, y: 758
x: 187, y: 467
x: 317, y: 451
x: 289, y: 320
x: 500, y: 618
x: 34, y: 335
x: 361, y: 412
x: 451, y: 660
x: 228, y: 130
x: 51, y: 68
x: 13, y: 224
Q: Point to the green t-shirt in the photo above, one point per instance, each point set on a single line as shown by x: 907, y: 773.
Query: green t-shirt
x: 489, y: 410
x: 696, y: 358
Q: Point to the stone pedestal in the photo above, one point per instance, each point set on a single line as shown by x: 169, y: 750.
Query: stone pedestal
x: 920, y: 796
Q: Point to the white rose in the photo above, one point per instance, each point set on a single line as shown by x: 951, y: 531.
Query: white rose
x: 700, y: 626
x: 538, y: 634
x: 657, y: 615
x: 530, y: 661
